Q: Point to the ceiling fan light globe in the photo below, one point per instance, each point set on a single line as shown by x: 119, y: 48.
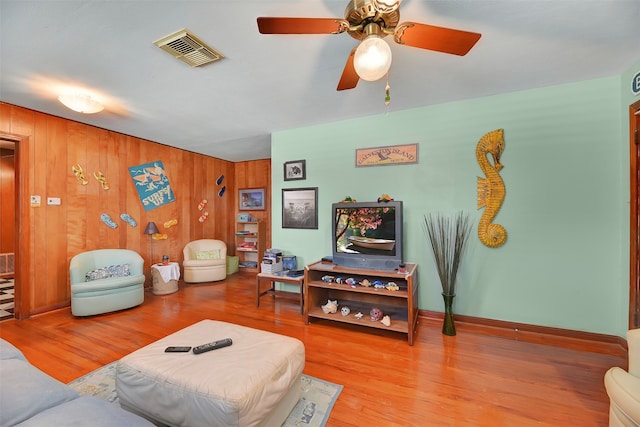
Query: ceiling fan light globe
x: 372, y: 59
x: 386, y: 6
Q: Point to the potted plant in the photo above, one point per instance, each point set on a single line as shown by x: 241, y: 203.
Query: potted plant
x: 448, y: 237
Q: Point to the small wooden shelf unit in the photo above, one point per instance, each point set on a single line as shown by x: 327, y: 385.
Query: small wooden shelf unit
x: 250, y: 244
x: 400, y: 305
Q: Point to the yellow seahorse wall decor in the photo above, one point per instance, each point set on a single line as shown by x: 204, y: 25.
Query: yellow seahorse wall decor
x: 491, y: 189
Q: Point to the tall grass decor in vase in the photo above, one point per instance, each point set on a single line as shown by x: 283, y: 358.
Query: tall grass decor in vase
x: 448, y: 237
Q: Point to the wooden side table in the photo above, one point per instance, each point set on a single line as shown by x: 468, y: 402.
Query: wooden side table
x: 272, y: 279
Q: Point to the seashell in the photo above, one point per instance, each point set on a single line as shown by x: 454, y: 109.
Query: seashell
x: 386, y: 321
x: 330, y: 307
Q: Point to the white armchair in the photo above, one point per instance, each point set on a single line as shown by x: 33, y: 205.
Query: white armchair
x: 623, y: 387
x: 205, y: 260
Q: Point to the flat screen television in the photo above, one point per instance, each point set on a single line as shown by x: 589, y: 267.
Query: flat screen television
x: 367, y: 234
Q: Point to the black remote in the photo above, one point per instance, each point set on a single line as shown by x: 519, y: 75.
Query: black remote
x: 212, y: 346
x: 173, y: 349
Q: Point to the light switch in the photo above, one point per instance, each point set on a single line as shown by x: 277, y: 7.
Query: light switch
x: 55, y: 201
x: 35, y: 201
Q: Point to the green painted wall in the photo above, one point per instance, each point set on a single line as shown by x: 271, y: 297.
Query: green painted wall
x: 565, y: 262
x: 628, y: 97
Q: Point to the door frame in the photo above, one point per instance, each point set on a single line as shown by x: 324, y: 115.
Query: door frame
x: 22, y: 227
x: 634, y: 229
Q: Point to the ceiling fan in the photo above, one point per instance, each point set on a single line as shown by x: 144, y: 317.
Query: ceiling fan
x: 371, y: 21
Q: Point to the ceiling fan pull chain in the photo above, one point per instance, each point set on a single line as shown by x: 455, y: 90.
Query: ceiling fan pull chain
x: 387, y: 94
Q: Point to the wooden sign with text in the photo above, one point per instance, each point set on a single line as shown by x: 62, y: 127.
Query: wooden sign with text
x: 388, y: 155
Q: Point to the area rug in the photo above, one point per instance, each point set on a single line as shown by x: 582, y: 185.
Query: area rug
x: 313, y: 408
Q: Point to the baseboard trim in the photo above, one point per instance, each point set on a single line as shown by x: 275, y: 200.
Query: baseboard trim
x: 566, y: 338
x: 48, y: 309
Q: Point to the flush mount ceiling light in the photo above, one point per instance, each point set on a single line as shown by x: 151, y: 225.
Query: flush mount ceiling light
x: 80, y: 102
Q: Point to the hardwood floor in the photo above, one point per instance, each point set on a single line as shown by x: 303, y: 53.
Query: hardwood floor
x: 467, y: 380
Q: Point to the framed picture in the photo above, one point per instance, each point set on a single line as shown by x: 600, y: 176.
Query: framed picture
x: 251, y: 199
x: 296, y: 169
x: 300, y: 208
x: 388, y: 155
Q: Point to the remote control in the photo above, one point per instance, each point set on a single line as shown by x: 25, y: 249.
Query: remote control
x: 212, y: 346
x: 174, y: 349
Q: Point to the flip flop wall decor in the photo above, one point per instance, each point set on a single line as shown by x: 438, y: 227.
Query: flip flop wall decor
x: 224, y: 187
x: 108, y: 221
x: 171, y: 223
x: 101, y: 179
x: 127, y: 218
x: 79, y: 173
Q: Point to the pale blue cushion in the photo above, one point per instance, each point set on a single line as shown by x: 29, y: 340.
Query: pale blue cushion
x: 86, y: 411
x: 9, y: 351
x: 29, y: 397
x: 27, y: 391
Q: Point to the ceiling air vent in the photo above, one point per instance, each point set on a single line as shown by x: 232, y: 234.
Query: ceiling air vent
x: 188, y: 48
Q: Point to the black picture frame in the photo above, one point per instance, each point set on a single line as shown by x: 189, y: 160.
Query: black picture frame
x: 300, y: 208
x: 295, y: 170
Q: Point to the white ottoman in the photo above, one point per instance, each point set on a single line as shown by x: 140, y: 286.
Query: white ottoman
x: 254, y: 382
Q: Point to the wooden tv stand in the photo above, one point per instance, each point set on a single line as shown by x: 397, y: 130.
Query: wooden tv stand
x: 400, y: 305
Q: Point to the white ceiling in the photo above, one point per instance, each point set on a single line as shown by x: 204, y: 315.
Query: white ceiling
x: 266, y: 83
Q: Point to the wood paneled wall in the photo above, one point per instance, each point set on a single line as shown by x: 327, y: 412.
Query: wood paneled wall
x: 7, y: 200
x: 50, y: 146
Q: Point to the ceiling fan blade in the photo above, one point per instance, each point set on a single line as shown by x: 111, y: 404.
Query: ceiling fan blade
x: 349, y: 78
x: 269, y: 25
x: 447, y: 40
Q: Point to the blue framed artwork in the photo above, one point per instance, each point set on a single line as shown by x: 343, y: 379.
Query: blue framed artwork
x: 152, y: 185
x: 251, y: 199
